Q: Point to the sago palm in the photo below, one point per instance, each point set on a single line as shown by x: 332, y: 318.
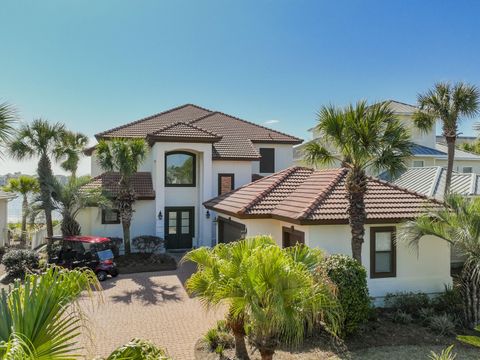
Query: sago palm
x: 39, y: 139
x: 8, y: 119
x: 458, y: 224
x: 217, y: 281
x: 125, y: 157
x: 360, y: 137
x: 25, y: 186
x: 40, y: 319
x: 449, y: 104
x: 70, y: 150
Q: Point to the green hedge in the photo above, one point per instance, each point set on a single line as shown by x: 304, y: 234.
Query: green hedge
x: 350, y: 277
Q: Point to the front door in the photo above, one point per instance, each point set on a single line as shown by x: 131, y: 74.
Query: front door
x: 179, y: 227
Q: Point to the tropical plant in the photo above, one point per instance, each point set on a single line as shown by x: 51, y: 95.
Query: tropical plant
x: 410, y: 302
x: 8, y: 118
x: 18, y: 262
x: 72, y: 197
x: 125, y: 157
x: 138, y: 349
x: 40, y: 319
x: 442, y: 324
x: 350, y: 277
x: 218, y: 281
x: 449, y: 104
x: 446, y: 354
x: 458, y: 224
x: 24, y: 186
x: 474, y: 147
x: 69, y: 151
x: 39, y: 139
x: 471, y: 339
x: 362, y: 137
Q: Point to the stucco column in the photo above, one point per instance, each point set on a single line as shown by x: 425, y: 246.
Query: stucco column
x: 207, y: 193
x: 159, y: 186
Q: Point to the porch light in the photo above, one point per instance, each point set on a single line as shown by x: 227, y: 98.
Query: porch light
x: 207, y: 214
x: 160, y: 215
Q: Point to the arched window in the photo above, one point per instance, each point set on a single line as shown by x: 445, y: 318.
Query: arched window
x: 179, y: 169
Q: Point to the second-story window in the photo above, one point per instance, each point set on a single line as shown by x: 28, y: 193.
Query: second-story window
x: 179, y: 169
x: 267, y: 161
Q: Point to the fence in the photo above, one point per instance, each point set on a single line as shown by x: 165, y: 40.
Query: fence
x: 39, y: 237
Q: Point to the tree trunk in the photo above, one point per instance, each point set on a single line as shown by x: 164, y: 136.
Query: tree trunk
x: 125, y: 200
x: 45, y: 178
x: 470, y: 280
x: 126, y: 236
x: 23, y: 236
x: 356, y: 184
x: 266, y: 354
x: 451, y: 156
x: 238, y: 330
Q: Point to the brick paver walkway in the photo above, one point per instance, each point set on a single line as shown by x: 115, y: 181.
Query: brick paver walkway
x: 151, y: 306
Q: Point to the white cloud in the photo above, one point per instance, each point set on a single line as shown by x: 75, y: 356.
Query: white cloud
x: 270, y: 122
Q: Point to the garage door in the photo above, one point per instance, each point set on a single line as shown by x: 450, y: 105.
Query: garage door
x: 229, y: 230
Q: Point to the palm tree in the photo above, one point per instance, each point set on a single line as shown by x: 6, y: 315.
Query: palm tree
x: 363, y: 137
x: 125, y: 157
x: 24, y: 186
x: 72, y: 197
x: 39, y: 318
x: 458, y: 224
x: 8, y: 118
x: 69, y: 150
x: 448, y: 103
x: 39, y: 139
x: 217, y: 281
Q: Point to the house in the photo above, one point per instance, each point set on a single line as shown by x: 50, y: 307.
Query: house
x: 427, y: 149
x: 5, y: 197
x: 302, y: 205
x: 194, y: 155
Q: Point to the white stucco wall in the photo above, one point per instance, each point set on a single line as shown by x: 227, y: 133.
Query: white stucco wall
x: 3, y: 221
x: 427, y: 271
x: 283, y: 157
x: 241, y: 169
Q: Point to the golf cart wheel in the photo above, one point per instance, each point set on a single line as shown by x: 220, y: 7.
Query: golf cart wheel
x: 114, y: 273
x: 102, y: 275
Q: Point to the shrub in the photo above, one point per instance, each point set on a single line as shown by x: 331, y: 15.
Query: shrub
x: 19, y: 261
x: 219, y: 338
x: 147, y: 244
x: 139, y: 349
x: 442, y: 324
x: 470, y: 339
x: 401, y: 317
x: 449, y: 302
x: 2, y: 252
x: 425, y: 314
x: 116, y: 244
x: 446, y: 354
x: 409, y: 302
x: 350, y: 277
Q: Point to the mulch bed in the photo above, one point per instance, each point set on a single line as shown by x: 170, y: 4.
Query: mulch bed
x: 136, y: 262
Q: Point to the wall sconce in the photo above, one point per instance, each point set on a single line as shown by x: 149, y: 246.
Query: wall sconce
x: 207, y: 214
x: 160, y: 215
x: 215, y: 219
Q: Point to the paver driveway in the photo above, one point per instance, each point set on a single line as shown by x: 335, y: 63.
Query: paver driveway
x: 151, y: 306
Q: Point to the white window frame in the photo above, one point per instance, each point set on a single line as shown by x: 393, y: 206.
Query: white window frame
x: 417, y: 161
x: 467, y: 167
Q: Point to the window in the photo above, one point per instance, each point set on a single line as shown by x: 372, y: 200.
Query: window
x: 292, y: 237
x: 110, y: 216
x: 417, y: 163
x: 467, y: 170
x: 179, y: 169
x: 267, y: 160
x: 382, y: 252
x: 226, y: 183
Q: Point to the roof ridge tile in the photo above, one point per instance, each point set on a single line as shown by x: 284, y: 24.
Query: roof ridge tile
x: 172, y: 125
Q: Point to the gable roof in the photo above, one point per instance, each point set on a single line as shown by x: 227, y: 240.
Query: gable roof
x: 109, y: 182
x: 306, y: 196
x: 421, y: 150
x: 401, y: 108
x: 430, y: 181
x: 232, y: 137
x: 459, y: 154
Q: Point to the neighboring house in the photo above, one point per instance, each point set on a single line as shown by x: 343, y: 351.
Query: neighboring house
x: 5, y: 197
x: 301, y: 205
x: 195, y: 154
x: 427, y: 150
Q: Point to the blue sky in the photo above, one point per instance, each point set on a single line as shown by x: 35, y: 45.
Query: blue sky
x: 98, y: 64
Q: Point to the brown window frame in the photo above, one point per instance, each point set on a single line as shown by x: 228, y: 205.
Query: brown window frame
x: 105, y: 222
x: 373, y: 273
x: 231, y: 176
x: 292, y: 231
x: 263, y: 165
x: 194, y: 173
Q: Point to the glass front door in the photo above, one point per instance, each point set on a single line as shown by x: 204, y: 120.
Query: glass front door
x: 179, y: 227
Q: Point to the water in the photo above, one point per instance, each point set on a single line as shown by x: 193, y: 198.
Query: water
x: 15, y: 211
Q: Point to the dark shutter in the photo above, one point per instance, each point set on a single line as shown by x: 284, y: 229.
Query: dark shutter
x: 267, y: 162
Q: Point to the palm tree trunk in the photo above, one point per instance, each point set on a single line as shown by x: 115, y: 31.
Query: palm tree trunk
x: 470, y: 280
x: 356, y: 184
x: 266, y: 354
x: 126, y: 235
x: 45, y: 177
x: 450, y: 157
x: 23, y: 236
x: 238, y: 329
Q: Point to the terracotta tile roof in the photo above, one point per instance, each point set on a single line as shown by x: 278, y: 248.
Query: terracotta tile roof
x: 233, y: 138
x: 141, y: 181
x: 303, y: 195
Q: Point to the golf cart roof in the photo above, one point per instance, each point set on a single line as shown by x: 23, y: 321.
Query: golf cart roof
x: 85, y: 239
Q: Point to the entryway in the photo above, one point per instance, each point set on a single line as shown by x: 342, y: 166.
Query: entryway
x: 179, y: 227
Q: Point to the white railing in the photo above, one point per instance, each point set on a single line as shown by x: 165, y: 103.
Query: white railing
x: 39, y: 237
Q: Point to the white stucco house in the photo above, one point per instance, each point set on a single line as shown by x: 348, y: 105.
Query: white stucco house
x: 428, y: 149
x: 5, y: 197
x: 195, y: 154
x: 310, y: 206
